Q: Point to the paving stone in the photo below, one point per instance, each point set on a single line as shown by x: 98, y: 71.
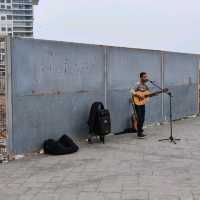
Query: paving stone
x: 135, y: 195
x: 91, y: 195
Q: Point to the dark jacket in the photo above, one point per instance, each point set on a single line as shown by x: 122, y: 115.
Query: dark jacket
x: 93, y: 115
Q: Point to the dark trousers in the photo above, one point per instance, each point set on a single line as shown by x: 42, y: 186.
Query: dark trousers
x: 140, y: 111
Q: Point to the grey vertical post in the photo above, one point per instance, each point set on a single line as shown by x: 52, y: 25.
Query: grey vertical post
x: 8, y: 94
x: 105, y: 77
x: 162, y: 82
x: 198, y: 84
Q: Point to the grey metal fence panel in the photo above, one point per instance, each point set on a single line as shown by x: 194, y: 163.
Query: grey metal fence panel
x: 181, y: 77
x: 124, y: 66
x: 54, y: 84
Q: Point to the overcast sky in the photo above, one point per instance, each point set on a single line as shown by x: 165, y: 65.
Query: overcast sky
x: 153, y: 24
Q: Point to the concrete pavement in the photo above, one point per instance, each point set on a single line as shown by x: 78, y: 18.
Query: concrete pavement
x: 125, y: 168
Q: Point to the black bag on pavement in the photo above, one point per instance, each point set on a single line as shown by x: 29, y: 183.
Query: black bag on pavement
x: 99, y: 121
x: 67, y: 142
x: 64, y: 145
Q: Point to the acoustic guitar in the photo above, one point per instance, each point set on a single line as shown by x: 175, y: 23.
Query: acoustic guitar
x: 142, y: 98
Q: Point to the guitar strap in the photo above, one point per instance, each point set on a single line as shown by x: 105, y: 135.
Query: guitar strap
x: 134, y: 110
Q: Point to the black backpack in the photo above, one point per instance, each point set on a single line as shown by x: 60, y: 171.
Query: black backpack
x: 103, y: 124
x: 99, y: 121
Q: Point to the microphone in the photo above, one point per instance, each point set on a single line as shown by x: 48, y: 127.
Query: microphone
x: 154, y: 83
x: 151, y: 81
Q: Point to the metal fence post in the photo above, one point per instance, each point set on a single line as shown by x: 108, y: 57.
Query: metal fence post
x: 162, y: 82
x: 105, y: 77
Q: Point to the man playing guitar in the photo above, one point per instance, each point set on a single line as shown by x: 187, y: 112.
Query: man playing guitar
x: 140, y: 109
x: 140, y: 95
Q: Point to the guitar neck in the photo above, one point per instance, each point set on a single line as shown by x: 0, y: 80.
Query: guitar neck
x: 153, y: 94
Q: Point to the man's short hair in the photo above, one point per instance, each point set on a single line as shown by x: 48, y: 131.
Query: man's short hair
x: 142, y: 74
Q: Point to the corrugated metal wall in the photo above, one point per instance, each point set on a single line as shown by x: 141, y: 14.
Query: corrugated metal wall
x: 55, y: 83
x: 181, y: 76
x: 124, y: 66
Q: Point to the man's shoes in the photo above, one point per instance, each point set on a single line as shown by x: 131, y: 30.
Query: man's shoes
x: 141, y: 135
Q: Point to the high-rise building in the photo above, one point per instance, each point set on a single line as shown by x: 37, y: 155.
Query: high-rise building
x: 16, y: 19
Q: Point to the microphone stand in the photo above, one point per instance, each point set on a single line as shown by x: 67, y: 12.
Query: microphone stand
x: 171, y: 138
